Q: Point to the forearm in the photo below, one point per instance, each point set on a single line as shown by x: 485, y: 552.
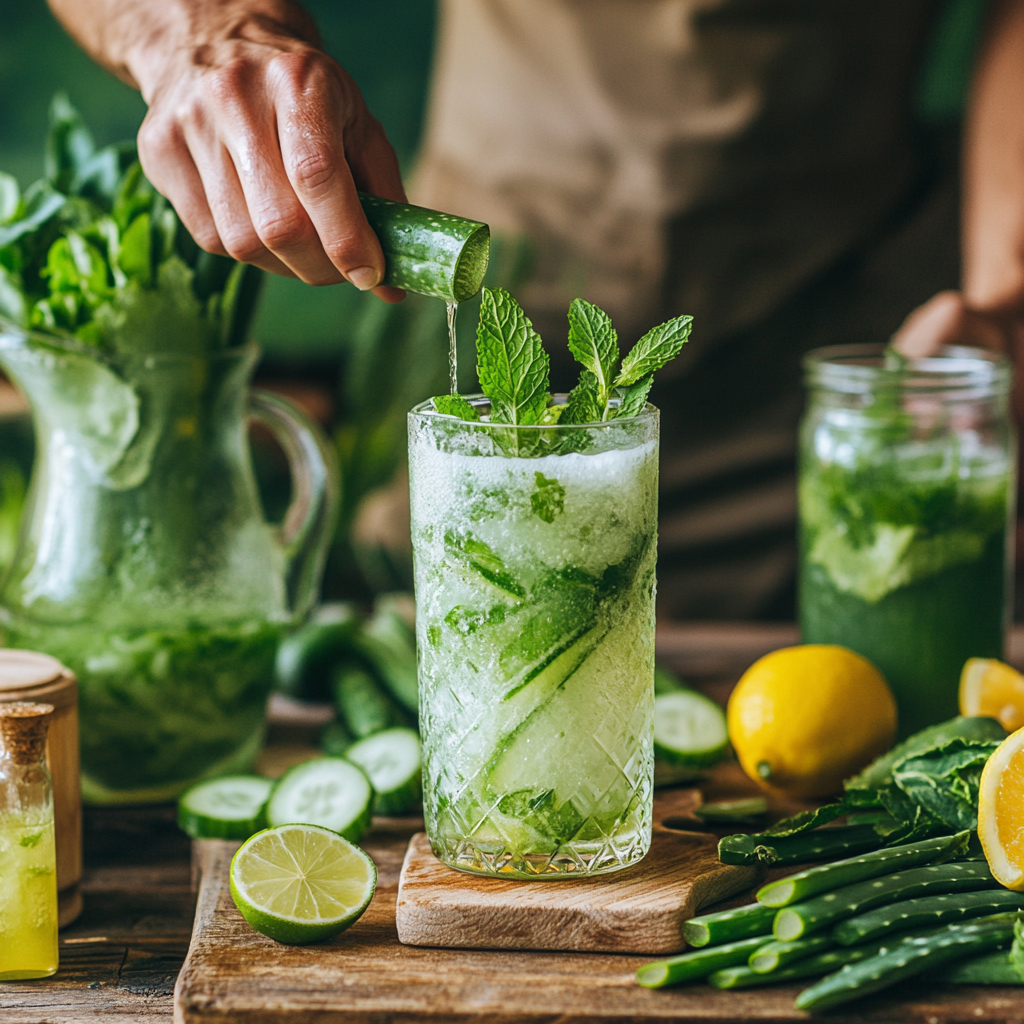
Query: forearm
x: 136, y: 39
x: 993, y: 223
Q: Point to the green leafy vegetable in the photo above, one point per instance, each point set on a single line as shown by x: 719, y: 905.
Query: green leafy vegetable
x: 584, y: 404
x: 657, y: 347
x: 511, y: 361
x: 455, y: 405
x: 925, y: 787
x: 594, y: 343
x: 93, y: 253
x: 548, y: 498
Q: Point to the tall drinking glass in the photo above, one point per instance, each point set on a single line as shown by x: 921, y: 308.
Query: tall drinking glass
x: 907, y: 486
x: 534, y: 551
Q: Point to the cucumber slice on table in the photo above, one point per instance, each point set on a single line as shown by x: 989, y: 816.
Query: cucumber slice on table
x: 391, y: 759
x: 328, y: 791
x: 227, y: 808
x: 689, y: 729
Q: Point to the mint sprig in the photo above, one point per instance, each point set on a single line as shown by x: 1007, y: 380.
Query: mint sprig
x: 511, y: 362
x: 513, y: 366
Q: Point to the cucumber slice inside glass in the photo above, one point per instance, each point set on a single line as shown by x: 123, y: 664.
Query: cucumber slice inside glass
x: 331, y: 792
x: 391, y: 759
x: 689, y: 730
x: 227, y: 808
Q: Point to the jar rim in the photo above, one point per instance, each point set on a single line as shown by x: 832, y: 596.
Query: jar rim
x: 863, y: 368
x: 427, y: 411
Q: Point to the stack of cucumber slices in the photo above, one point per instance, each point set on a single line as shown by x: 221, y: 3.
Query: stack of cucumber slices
x: 380, y: 773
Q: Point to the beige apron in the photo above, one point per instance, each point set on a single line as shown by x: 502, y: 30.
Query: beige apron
x: 711, y: 157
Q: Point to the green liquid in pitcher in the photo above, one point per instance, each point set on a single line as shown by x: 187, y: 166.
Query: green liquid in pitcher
x: 905, y: 560
x: 160, y: 708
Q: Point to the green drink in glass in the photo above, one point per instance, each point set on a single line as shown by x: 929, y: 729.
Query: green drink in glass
x: 534, y: 547
x: 907, y: 487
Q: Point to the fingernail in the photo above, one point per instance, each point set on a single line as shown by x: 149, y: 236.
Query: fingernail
x: 364, y: 278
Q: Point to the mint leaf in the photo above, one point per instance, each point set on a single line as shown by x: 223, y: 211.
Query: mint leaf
x: 593, y: 341
x: 511, y: 362
x: 548, y: 498
x: 584, y: 404
x: 634, y: 397
x: 654, y: 350
x: 455, y: 405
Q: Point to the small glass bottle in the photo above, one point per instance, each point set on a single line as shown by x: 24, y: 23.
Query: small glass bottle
x: 28, y: 859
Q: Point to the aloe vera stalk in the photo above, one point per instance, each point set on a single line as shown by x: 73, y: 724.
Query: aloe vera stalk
x: 727, y: 925
x: 805, y: 884
x: 817, y: 844
x: 925, y: 912
x: 987, y: 969
x: 428, y: 252
x: 813, y: 915
x: 775, y: 954
x: 696, y: 965
x: 812, y: 967
x: 911, y: 957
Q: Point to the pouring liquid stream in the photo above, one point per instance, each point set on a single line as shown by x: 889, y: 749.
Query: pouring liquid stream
x: 453, y: 352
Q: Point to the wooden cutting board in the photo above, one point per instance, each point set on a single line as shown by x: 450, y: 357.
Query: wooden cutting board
x: 366, y: 976
x: 638, y: 910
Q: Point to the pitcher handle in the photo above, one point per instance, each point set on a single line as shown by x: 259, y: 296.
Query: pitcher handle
x: 310, y: 521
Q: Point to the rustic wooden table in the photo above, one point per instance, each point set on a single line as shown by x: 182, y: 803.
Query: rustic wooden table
x: 121, y: 958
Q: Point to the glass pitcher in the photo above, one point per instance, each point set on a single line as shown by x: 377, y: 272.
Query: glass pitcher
x: 144, y: 562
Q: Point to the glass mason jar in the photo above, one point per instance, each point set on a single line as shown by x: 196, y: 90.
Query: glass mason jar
x: 907, y: 496
x: 144, y: 563
x: 534, y: 551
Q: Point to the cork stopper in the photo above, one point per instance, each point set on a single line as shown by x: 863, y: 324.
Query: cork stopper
x: 23, y: 728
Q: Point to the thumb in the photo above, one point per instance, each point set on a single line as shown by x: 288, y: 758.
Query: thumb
x: 946, y: 320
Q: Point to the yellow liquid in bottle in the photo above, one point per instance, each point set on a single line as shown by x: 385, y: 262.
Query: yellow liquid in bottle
x: 28, y: 897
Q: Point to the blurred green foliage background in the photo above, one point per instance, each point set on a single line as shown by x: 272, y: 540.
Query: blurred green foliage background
x: 383, y: 358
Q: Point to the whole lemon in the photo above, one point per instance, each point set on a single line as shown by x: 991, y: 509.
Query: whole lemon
x: 802, y: 719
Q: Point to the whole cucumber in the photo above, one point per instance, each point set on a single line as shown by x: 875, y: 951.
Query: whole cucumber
x: 306, y: 657
x: 362, y: 703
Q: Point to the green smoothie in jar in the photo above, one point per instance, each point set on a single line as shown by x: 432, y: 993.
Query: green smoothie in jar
x: 907, y: 487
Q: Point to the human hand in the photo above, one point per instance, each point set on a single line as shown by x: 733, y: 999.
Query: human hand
x: 259, y: 140
x: 946, y: 319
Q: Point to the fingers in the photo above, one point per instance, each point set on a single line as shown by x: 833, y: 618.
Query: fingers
x: 254, y: 155
x: 945, y: 320
x: 310, y: 109
x: 169, y: 166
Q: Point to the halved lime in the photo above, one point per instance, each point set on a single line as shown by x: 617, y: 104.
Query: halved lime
x: 301, y: 883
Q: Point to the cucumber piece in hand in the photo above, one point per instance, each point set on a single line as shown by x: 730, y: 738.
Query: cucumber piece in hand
x: 328, y: 791
x: 391, y: 759
x: 428, y: 252
x: 689, y: 729
x: 227, y: 808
